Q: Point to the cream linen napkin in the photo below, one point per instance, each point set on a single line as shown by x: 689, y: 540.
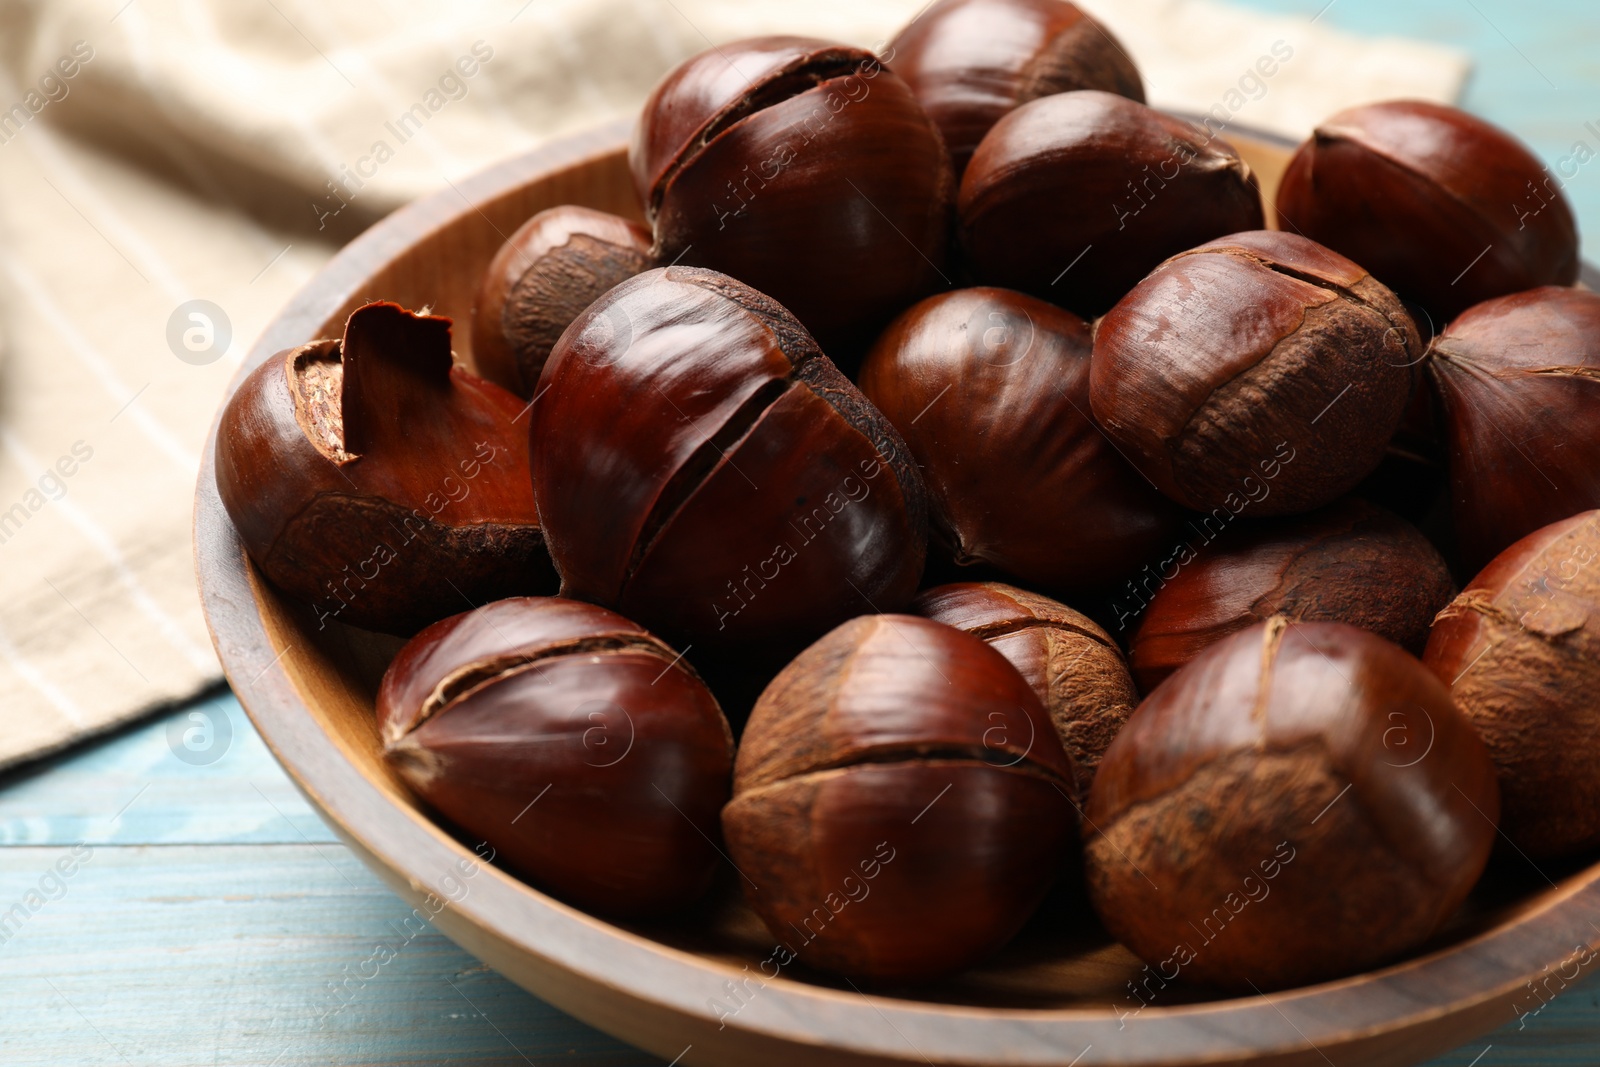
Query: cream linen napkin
x: 159, y: 152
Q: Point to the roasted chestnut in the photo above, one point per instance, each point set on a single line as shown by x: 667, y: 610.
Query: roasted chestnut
x: 1073, y: 665
x: 558, y: 263
x: 901, y: 802
x: 804, y: 169
x: 1519, y: 378
x: 1259, y: 371
x: 702, y: 467
x: 1441, y: 206
x: 370, y: 478
x: 1350, y: 562
x: 1075, y: 197
x: 1520, y: 650
x: 585, y: 752
x: 1302, y: 801
x: 990, y: 388
x: 971, y: 61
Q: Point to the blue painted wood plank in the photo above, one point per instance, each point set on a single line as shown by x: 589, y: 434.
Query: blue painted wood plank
x: 220, y: 955
x: 199, y: 776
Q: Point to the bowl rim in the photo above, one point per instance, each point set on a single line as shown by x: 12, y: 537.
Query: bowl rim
x: 661, y: 992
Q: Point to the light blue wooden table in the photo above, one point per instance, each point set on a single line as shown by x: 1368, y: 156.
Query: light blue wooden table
x: 195, y: 912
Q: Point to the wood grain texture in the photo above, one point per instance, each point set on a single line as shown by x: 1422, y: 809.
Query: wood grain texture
x: 133, y: 789
x: 255, y: 954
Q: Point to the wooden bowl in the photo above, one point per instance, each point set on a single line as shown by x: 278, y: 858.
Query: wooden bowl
x: 1061, y: 994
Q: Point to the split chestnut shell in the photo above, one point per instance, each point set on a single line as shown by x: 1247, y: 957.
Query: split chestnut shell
x: 1260, y: 371
x: 901, y: 802
x: 804, y: 169
x: 1301, y: 802
x: 378, y: 483
x: 584, y: 751
x: 702, y: 467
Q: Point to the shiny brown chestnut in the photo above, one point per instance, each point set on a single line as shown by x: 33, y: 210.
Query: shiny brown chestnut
x: 375, y: 481
x: 558, y: 263
x: 901, y: 801
x: 804, y: 169
x: 971, y: 61
x: 1351, y: 562
x: 1520, y: 650
x: 990, y: 388
x: 1075, y: 197
x: 583, y: 750
x: 1258, y: 371
x: 1073, y: 665
x: 1301, y: 802
x: 1519, y: 381
x: 702, y: 467
x: 1444, y: 208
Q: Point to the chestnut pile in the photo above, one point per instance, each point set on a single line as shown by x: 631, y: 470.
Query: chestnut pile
x: 755, y: 539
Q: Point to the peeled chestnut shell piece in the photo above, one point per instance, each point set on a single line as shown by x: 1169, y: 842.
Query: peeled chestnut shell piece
x: 1520, y: 650
x: 1072, y: 665
x: 1351, y: 562
x: 804, y: 169
x: 1075, y: 197
x: 1301, y: 802
x: 971, y: 61
x: 901, y: 802
x: 558, y: 263
x: 1260, y: 371
x: 584, y: 751
x: 990, y: 388
x: 1441, y: 206
x: 375, y: 481
x: 1519, y: 381
x: 702, y: 467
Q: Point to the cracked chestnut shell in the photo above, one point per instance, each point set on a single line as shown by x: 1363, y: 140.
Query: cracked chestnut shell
x: 1075, y: 197
x: 558, y: 263
x: 1441, y: 206
x: 1351, y: 562
x: 901, y: 801
x: 1260, y: 371
x: 1520, y: 650
x: 1072, y: 664
x: 804, y: 169
x: 971, y: 61
x: 702, y: 467
x: 1519, y: 381
x: 373, y: 480
x: 990, y: 389
x: 1301, y: 802
x: 582, y: 749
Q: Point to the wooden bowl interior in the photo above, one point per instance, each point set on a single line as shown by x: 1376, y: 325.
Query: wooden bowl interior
x: 1063, y: 959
